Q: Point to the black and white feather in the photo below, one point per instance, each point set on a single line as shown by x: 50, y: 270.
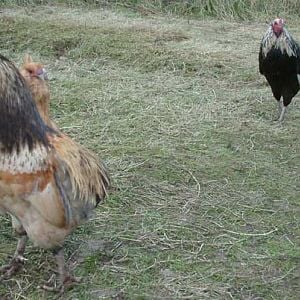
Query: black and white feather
x: 279, y: 62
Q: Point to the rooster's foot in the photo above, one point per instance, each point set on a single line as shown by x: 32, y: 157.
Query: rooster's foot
x: 68, y: 282
x: 13, y: 267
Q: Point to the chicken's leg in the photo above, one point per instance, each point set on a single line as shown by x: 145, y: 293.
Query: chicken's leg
x: 66, y: 280
x: 283, y: 111
x: 279, y: 109
x: 18, y: 259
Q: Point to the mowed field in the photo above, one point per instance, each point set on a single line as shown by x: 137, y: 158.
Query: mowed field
x: 205, y: 194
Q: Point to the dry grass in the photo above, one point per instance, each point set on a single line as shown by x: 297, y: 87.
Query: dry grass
x: 224, y: 9
x: 205, y: 203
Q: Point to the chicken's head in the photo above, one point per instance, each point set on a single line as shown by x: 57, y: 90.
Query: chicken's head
x: 33, y: 70
x: 277, y: 26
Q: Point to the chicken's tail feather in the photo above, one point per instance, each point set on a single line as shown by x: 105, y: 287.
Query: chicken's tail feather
x: 84, y: 178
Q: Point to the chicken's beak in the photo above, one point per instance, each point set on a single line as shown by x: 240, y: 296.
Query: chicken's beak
x: 42, y: 74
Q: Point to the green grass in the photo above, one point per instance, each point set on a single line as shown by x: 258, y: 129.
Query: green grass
x: 205, y: 198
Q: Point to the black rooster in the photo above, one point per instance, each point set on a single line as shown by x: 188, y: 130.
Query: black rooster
x: 279, y: 62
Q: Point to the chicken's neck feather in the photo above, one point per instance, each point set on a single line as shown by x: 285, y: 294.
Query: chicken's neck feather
x: 284, y: 43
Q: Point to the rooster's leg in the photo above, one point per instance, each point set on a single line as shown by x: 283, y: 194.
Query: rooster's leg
x: 66, y: 280
x: 283, y: 111
x: 18, y: 259
x: 279, y: 109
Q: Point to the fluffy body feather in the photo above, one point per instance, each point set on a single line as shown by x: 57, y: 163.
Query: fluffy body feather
x: 279, y: 62
x: 48, y: 183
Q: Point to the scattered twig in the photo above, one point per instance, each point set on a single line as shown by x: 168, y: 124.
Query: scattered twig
x: 281, y: 277
x: 251, y: 234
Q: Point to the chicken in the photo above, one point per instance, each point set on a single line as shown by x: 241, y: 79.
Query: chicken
x: 279, y: 62
x: 88, y: 176
x: 48, y: 183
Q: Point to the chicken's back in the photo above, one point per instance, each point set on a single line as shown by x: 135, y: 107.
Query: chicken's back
x: 20, y: 122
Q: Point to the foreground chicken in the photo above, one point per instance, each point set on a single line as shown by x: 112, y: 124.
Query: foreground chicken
x: 48, y: 183
x: 279, y: 62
